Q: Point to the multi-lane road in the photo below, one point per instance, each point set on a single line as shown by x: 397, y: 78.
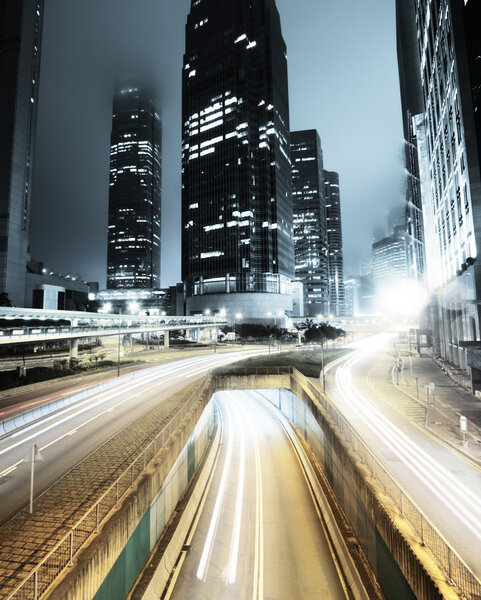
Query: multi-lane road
x: 444, y: 484
x: 259, y: 534
x: 68, y: 436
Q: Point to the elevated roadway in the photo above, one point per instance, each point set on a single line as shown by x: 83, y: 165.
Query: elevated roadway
x: 444, y: 483
x: 24, y: 325
x: 68, y: 436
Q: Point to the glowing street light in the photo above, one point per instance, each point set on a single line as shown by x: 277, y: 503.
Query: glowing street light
x: 134, y: 307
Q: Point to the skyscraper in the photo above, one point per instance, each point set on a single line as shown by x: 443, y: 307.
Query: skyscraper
x: 237, y: 246
x: 334, y: 241
x: 20, y: 46
x: 310, y: 225
x: 133, y: 257
x: 414, y: 134
x: 450, y: 180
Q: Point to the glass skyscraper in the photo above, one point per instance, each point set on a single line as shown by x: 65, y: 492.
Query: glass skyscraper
x: 133, y: 257
x: 334, y: 240
x: 20, y: 49
x: 310, y: 225
x: 237, y: 237
x: 443, y: 70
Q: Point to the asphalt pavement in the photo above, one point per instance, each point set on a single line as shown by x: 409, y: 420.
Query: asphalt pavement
x: 259, y: 535
x: 443, y: 482
x: 68, y: 436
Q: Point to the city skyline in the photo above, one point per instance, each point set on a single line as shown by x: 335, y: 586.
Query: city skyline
x: 363, y: 195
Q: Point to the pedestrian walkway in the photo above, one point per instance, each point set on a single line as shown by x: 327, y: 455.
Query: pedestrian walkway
x: 431, y: 399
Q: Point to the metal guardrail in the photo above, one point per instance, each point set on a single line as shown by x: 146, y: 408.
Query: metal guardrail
x: 240, y: 371
x: 447, y: 558
x: 62, y: 555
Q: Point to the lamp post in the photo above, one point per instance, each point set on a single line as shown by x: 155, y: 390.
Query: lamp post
x: 322, y: 367
x: 118, y: 354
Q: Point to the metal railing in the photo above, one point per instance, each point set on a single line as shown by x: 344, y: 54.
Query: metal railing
x: 455, y: 569
x: 240, y: 371
x: 63, y: 554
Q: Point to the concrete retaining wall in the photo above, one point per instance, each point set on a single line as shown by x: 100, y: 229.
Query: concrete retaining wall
x: 110, y: 564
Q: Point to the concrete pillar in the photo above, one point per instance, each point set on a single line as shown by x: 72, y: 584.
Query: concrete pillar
x: 73, y: 348
x: 215, y: 335
x: 166, y: 339
x: 207, y: 336
x: 197, y: 334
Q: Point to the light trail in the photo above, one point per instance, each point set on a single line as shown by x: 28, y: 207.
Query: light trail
x: 205, y: 558
x: 456, y: 497
x: 234, y: 552
x: 83, y: 406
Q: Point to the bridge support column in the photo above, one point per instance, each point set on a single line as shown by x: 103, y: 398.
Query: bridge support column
x: 207, y: 336
x: 166, y: 339
x: 197, y: 334
x: 73, y: 344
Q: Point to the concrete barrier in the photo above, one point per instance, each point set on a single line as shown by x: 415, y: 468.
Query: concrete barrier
x: 160, y: 580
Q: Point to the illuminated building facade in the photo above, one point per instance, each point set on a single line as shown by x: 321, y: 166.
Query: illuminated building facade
x: 450, y: 179
x: 20, y: 49
x: 334, y: 241
x: 237, y: 242
x: 133, y: 256
x: 310, y: 225
x: 390, y: 259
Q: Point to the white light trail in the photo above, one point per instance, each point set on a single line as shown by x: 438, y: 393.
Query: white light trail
x: 234, y: 551
x: 455, y: 496
x: 204, y: 561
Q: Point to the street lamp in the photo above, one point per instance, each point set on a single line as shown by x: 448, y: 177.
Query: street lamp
x: 134, y: 307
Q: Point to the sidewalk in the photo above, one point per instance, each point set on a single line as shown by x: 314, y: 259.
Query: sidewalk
x: 446, y: 405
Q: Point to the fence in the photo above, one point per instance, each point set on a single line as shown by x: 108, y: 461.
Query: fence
x: 448, y: 560
x: 61, y: 557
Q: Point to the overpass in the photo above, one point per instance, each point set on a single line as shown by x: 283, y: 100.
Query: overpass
x: 27, y: 325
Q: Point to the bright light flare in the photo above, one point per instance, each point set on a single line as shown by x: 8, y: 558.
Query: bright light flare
x: 403, y: 299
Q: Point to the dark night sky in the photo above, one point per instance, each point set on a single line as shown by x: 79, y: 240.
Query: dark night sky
x: 343, y: 82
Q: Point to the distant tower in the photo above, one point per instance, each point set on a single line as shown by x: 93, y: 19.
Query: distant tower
x: 334, y: 238
x: 310, y: 225
x: 20, y: 46
x: 133, y: 259
x: 237, y: 246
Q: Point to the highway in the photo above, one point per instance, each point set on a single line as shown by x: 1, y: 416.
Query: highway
x: 259, y: 535
x: 67, y: 437
x: 445, y: 485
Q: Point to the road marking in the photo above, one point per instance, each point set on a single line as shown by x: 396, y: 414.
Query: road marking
x: 258, y: 587
x: 205, y: 558
x: 73, y: 432
x: 234, y: 551
x: 415, y: 458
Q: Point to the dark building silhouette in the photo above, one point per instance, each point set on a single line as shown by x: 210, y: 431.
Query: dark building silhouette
x: 133, y: 259
x: 334, y: 240
x: 20, y: 48
x: 310, y: 225
x: 414, y: 125
x: 446, y: 70
x: 237, y: 245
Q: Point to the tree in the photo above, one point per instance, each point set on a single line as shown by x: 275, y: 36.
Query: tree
x: 4, y: 299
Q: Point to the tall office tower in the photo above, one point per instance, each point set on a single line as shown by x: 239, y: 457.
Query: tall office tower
x: 310, y: 225
x: 133, y: 257
x: 334, y: 241
x: 414, y: 134
x: 20, y: 46
x: 451, y: 182
x: 390, y: 259
x: 237, y: 244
